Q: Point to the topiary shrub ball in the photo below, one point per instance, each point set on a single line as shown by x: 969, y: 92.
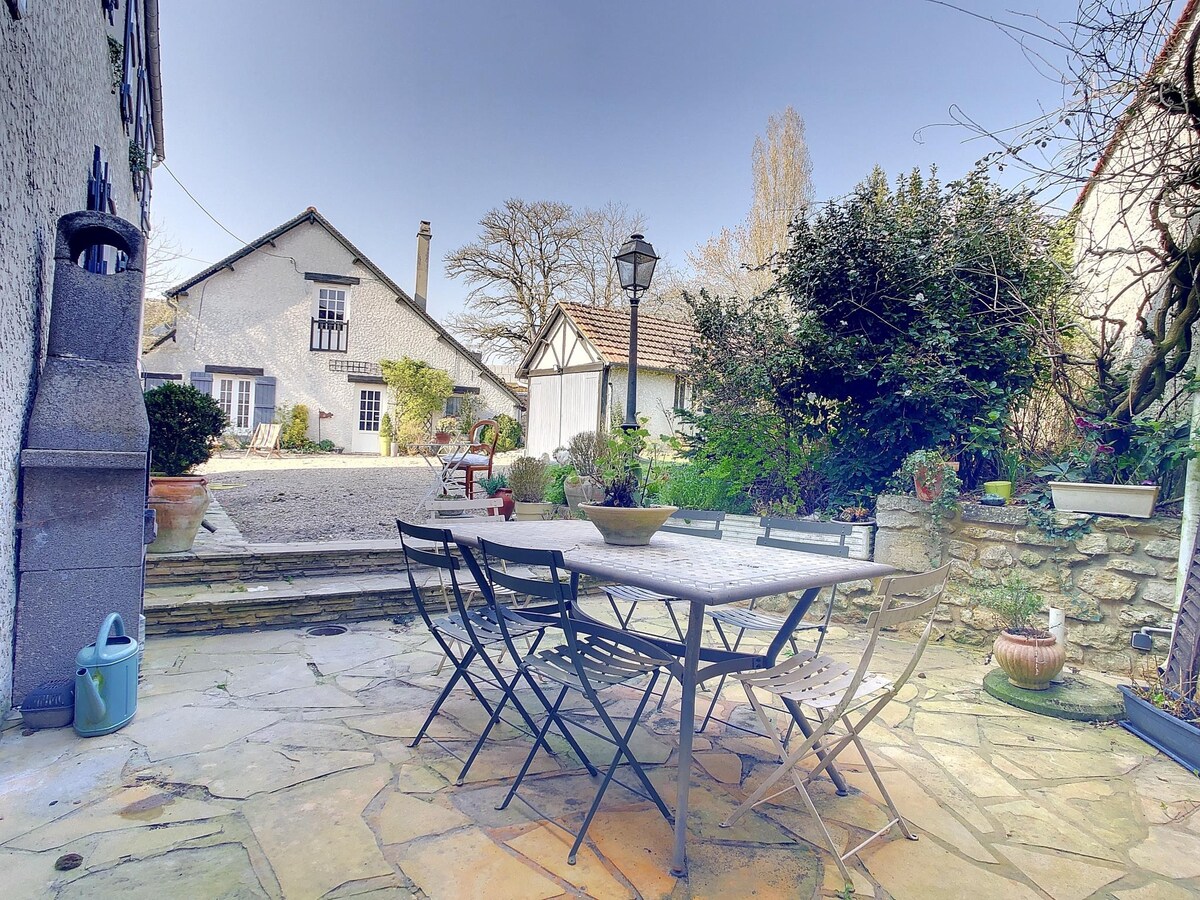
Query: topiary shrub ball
x: 183, y: 425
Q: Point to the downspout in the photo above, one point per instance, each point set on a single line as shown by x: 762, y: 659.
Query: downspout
x: 154, y: 73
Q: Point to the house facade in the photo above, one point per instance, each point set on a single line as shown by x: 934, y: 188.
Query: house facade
x: 302, y: 316
x: 578, y: 374
x: 81, y: 128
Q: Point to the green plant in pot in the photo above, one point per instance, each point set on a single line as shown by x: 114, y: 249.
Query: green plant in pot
x: 497, y: 486
x: 624, y: 517
x: 385, y: 435
x: 1029, y: 654
x: 528, y: 478
x: 184, y: 425
x: 584, y: 486
x: 934, y: 477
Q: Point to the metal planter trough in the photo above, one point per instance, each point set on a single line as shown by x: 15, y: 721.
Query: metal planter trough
x: 1174, y: 737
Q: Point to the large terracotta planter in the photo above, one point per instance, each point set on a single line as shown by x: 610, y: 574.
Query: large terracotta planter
x: 1029, y: 663
x: 507, y: 504
x: 179, y: 506
x: 934, y: 490
x: 627, y: 526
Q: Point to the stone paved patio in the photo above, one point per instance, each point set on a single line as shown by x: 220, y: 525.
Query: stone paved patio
x: 277, y: 764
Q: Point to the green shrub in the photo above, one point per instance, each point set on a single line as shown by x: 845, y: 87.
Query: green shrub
x: 510, y: 433
x: 325, y: 446
x: 184, y: 424
x: 294, y: 435
x: 528, y: 479
x: 695, y: 485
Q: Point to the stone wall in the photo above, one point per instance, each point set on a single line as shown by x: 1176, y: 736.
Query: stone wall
x: 1110, y: 581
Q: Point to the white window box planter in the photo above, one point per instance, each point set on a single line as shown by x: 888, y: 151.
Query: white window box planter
x: 1136, y: 500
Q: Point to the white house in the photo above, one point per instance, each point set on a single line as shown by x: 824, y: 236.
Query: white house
x: 578, y: 370
x: 302, y: 316
x: 82, y: 125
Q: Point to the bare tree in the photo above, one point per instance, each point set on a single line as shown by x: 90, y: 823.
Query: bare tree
x: 737, y: 262
x: 163, y: 252
x: 531, y: 255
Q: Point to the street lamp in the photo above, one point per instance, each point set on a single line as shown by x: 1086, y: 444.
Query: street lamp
x: 635, y: 268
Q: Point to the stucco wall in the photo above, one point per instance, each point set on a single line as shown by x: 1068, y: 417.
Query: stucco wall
x: 56, y: 103
x: 655, y: 398
x: 259, y: 315
x: 1110, y: 581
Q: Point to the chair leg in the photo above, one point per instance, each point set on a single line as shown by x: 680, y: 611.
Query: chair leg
x: 622, y: 742
x: 883, y: 791
x: 721, y: 682
x: 541, y: 736
x: 801, y: 721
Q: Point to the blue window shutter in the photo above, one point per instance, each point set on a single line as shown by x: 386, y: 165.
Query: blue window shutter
x: 201, y: 381
x: 264, y: 400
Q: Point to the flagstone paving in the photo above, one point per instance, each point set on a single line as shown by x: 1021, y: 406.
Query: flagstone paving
x: 276, y: 764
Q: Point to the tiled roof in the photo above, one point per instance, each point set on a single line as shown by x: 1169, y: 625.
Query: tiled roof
x: 662, y: 344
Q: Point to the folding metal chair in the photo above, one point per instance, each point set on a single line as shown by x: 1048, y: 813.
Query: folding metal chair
x: 746, y: 619
x: 705, y: 523
x: 466, y: 636
x: 593, y: 657
x: 835, y: 691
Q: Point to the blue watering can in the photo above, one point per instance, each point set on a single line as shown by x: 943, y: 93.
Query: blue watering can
x: 106, y: 678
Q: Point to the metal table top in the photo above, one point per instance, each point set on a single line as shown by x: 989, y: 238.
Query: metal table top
x: 690, y: 568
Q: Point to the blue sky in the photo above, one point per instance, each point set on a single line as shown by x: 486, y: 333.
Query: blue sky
x: 384, y: 112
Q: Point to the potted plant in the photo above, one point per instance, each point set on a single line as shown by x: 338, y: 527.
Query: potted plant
x: 447, y: 427
x: 1166, y: 717
x: 385, y: 435
x: 528, y: 477
x: 1029, y: 655
x: 1096, y: 477
x: 583, y: 485
x: 623, y: 517
x: 497, y: 486
x: 184, y: 424
x: 934, y: 477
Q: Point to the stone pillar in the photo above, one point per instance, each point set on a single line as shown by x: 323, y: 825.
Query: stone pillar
x: 84, y: 462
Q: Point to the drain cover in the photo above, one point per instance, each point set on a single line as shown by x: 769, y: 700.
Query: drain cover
x: 326, y: 630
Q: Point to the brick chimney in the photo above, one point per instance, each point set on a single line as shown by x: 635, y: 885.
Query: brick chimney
x: 424, y: 236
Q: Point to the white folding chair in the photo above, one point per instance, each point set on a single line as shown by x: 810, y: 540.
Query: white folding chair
x: 834, y: 691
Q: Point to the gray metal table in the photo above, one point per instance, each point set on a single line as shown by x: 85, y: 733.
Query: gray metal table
x: 703, y: 572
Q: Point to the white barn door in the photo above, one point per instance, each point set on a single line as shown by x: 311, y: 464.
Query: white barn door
x: 561, y: 406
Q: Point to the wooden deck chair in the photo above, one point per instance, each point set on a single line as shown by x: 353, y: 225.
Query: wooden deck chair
x: 834, y: 691
x: 265, y: 441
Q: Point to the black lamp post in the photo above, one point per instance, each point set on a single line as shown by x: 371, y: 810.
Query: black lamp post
x: 635, y: 268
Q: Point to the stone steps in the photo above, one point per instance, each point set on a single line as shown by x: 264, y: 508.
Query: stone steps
x: 258, y: 562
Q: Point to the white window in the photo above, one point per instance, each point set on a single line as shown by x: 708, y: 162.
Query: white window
x: 235, y: 396
x: 331, y: 304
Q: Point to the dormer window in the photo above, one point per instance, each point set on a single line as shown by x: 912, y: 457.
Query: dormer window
x: 330, y: 330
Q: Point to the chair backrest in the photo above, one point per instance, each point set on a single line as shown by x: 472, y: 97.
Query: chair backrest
x: 893, y: 612
x: 790, y: 534
x: 705, y: 523
x: 485, y: 506
x: 435, y: 553
x: 477, y: 430
x: 496, y: 558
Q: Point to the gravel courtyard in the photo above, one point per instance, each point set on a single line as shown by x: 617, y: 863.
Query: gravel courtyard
x: 312, y: 498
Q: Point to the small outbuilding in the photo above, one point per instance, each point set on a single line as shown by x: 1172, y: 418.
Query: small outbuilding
x: 578, y: 369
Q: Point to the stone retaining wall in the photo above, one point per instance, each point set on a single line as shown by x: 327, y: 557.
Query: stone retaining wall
x: 1110, y: 581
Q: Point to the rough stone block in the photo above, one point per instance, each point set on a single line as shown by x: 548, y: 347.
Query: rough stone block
x: 962, y: 550
x: 1083, y: 609
x: 1160, y: 593
x: 908, y: 550
x: 1162, y: 549
x: 1118, y: 543
x: 1092, y: 544
x: 1136, y: 617
x: 1030, y: 559
x: 996, y: 515
x: 1106, y: 585
x: 995, y: 558
x: 1103, y: 636
x: 899, y: 518
x: 1132, y: 566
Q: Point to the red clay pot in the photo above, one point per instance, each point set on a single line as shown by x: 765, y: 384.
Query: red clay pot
x: 508, y: 506
x: 179, y: 506
x: 935, y: 488
x: 1029, y: 662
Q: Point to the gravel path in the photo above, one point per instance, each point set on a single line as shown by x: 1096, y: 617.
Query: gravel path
x: 317, y: 498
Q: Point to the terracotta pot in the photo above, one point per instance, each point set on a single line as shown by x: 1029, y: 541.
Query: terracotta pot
x: 935, y: 488
x: 179, y: 505
x: 441, y: 437
x: 507, y: 506
x: 627, y: 526
x: 526, y: 511
x: 1029, y: 663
